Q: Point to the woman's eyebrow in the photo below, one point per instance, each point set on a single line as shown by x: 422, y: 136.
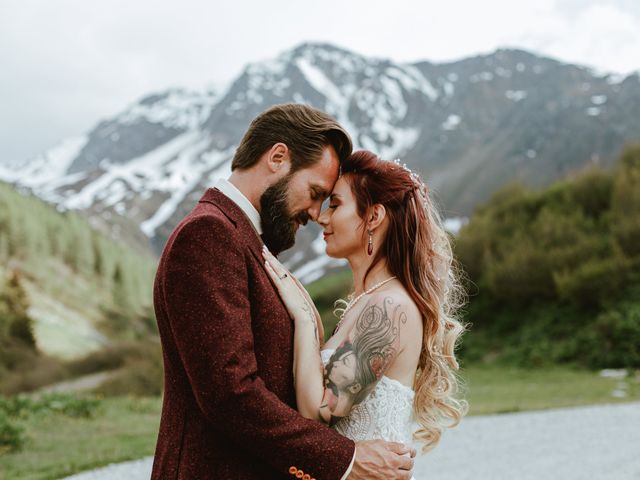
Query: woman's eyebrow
x: 334, y: 196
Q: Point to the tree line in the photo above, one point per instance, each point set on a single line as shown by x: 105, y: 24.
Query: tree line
x: 554, y: 274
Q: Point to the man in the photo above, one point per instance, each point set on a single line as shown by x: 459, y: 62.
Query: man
x: 229, y: 399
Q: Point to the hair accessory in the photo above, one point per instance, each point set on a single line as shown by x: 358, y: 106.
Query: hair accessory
x: 417, y: 181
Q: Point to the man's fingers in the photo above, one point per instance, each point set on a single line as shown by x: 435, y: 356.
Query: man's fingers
x: 406, y: 462
x: 399, y: 448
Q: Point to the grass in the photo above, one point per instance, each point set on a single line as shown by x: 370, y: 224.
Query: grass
x: 499, y: 389
x: 58, y: 445
x: 325, y: 291
x: 125, y: 428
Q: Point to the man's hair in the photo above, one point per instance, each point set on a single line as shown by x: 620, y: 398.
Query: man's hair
x: 304, y: 129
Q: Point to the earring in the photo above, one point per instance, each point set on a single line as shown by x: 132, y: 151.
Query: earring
x: 370, y: 244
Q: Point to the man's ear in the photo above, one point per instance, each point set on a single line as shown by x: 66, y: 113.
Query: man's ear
x: 279, y: 159
x: 375, y: 216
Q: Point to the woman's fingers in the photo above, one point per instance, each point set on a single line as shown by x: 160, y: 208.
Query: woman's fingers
x: 272, y: 273
x: 275, y: 264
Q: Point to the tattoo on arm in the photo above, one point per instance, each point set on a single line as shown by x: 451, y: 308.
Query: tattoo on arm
x: 310, y: 316
x: 360, y: 361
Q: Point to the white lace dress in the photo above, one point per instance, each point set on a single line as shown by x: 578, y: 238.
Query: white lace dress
x: 385, y: 414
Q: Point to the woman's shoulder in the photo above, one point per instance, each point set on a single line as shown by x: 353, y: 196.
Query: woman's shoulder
x: 393, y: 297
x: 396, y: 304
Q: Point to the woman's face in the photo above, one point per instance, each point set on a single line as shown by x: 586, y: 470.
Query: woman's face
x: 342, y: 373
x: 343, y: 228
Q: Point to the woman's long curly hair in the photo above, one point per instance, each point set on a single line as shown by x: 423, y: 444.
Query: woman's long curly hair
x: 418, y: 252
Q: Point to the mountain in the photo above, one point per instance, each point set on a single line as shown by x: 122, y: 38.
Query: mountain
x: 468, y: 126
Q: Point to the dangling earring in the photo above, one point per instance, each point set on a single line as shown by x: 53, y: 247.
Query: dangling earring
x: 370, y: 244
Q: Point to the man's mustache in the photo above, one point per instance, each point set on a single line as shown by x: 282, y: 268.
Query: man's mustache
x: 303, y: 217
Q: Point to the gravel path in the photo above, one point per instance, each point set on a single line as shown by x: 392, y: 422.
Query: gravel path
x: 80, y: 384
x: 590, y: 443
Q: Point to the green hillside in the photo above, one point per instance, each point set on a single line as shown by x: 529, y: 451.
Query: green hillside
x: 555, y: 274
x: 65, y: 291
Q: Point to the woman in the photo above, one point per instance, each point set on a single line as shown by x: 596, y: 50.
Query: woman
x: 390, y: 361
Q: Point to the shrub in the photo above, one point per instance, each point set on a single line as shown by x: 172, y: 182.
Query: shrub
x: 614, y: 339
x: 11, y: 436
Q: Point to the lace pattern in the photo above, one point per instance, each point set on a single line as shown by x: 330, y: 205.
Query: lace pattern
x: 386, y: 413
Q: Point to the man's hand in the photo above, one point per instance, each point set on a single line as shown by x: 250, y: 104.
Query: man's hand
x: 380, y: 460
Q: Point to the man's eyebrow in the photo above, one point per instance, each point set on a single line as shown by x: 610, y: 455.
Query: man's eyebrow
x: 320, y: 190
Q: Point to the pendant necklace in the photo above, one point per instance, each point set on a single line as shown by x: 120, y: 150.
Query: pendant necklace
x: 355, y: 300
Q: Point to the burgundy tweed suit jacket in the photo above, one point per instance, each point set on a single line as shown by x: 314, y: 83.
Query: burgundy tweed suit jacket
x: 227, y: 340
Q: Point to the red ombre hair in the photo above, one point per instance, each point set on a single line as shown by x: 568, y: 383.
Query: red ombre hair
x: 417, y: 250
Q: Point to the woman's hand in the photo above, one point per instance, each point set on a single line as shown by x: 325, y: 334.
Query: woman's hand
x: 295, y: 297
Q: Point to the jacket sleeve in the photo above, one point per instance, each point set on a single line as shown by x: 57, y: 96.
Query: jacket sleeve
x: 206, y: 292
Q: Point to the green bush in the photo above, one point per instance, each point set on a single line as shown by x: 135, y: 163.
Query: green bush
x: 594, y: 282
x: 614, y: 339
x: 552, y: 267
x: 21, y: 406
x: 11, y: 435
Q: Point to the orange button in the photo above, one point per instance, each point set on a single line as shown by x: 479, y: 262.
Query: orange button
x: 306, y: 477
x: 293, y: 470
x: 299, y: 474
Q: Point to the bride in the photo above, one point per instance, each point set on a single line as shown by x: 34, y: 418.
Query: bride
x: 390, y: 362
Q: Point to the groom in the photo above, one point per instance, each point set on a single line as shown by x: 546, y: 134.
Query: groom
x: 227, y: 339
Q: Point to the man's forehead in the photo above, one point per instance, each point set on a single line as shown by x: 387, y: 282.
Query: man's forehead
x: 324, y: 173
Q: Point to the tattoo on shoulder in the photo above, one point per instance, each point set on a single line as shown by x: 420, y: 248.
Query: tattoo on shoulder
x: 360, y: 361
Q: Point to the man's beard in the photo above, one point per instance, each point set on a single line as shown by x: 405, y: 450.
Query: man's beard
x: 278, y: 224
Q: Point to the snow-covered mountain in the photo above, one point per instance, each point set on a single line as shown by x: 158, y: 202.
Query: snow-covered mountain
x: 468, y: 126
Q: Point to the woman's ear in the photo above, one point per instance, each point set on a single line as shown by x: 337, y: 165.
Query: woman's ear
x: 376, y: 215
x: 279, y: 159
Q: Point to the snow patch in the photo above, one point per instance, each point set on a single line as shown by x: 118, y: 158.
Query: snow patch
x: 515, y: 95
x: 451, y: 123
x: 481, y: 77
x: 46, y: 167
x: 180, y: 109
x: 454, y: 224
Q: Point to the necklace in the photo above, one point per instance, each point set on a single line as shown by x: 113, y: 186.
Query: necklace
x: 355, y: 300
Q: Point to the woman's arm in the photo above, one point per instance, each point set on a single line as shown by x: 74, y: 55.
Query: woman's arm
x: 308, y: 371
x: 329, y: 393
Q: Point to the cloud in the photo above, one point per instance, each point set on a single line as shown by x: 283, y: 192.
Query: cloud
x: 69, y: 63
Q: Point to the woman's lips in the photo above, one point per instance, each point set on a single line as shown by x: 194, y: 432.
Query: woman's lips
x: 325, y: 235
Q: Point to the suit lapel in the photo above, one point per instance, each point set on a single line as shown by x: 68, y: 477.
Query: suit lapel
x: 234, y: 213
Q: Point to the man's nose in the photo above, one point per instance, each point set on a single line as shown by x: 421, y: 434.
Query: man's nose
x: 322, y: 218
x: 314, y: 211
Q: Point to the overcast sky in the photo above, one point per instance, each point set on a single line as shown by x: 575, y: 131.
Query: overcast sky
x: 66, y: 64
